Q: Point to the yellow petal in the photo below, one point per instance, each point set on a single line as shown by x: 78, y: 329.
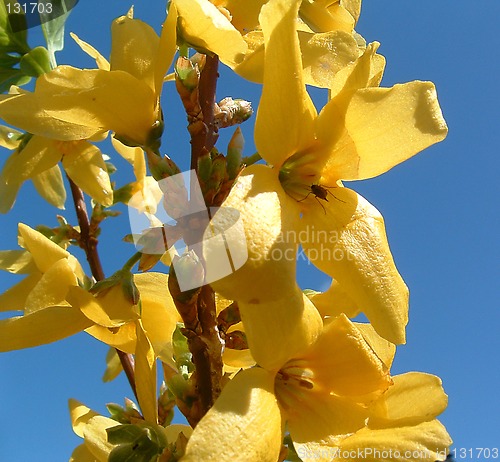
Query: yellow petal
x: 82, y: 454
x: 335, y: 301
x: 50, y: 186
x: 110, y: 309
x: 41, y: 327
x: 134, y: 48
x: 426, y: 441
x: 101, y: 61
x: 415, y: 397
x: 244, y: 423
x: 123, y: 337
x: 9, y: 137
x: 96, y: 437
x: 384, y: 349
x: 344, y: 363
x: 14, y: 298
x: 205, y: 27
x: 158, y: 313
x: 38, y: 155
x: 16, y: 261
x: 245, y: 15
x: 357, y: 255
x: 145, y: 375
x: 84, y: 164
x: 25, y: 110
x: 323, y: 55
x: 281, y: 329
x: 72, y: 104
x: 322, y: 19
x: 52, y: 287
x: 266, y: 213
x: 80, y: 415
x: 286, y: 113
x: 113, y: 366
x: 166, y: 48
x: 316, y: 424
x: 44, y: 252
x: 384, y: 127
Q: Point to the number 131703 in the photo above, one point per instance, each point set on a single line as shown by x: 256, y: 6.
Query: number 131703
x: 28, y: 8
x: 475, y: 453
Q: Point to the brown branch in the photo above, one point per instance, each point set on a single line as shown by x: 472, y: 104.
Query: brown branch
x: 204, y: 140
x: 88, y: 243
x: 197, y: 308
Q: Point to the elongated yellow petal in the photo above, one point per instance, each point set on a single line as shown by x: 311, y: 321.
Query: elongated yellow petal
x: 145, y: 374
x: 101, y: 61
x: 322, y: 18
x: 384, y: 127
x: 427, y: 441
x: 344, y: 363
x: 315, y: 425
x: 357, y: 255
x: 108, y: 310
x: 80, y: 415
x: 82, y: 454
x: 38, y: 155
x: 123, y: 337
x: 50, y: 186
x: 96, y: 437
x: 9, y: 137
x: 285, y: 116
x: 244, y: 423
x: 52, y: 287
x: 281, y: 329
x: 84, y: 164
x: 166, y: 48
x: 384, y: 349
x: 14, y: 298
x: 335, y: 301
x: 72, y: 104
x: 267, y: 214
x: 415, y: 397
x: 16, y: 261
x: 41, y: 327
x: 44, y: 252
x: 245, y: 15
x: 158, y: 313
x: 28, y: 112
x: 134, y: 48
x: 323, y: 55
x: 204, y: 26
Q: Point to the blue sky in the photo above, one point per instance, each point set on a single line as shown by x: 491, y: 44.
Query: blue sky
x: 440, y: 208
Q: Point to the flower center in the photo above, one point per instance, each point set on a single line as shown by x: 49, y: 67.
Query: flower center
x: 292, y: 384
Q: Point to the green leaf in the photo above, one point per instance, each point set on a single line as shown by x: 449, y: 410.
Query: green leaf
x: 36, y: 62
x: 53, y: 28
x: 136, y: 443
x: 10, y: 77
x: 13, y: 31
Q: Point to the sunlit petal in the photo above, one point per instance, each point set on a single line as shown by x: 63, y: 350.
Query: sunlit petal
x: 277, y: 137
x: 359, y: 258
x: 415, y: 397
x: 244, y: 423
x: 41, y: 327
x: 278, y: 330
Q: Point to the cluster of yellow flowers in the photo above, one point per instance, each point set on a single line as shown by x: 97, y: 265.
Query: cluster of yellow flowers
x: 309, y: 371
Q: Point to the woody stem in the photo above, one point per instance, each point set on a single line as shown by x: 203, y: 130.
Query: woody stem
x: 88, y: 242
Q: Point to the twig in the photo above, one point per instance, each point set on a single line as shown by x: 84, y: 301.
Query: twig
x: 88, y: 243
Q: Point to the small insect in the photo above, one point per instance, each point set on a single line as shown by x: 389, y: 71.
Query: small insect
x: 321, y: 192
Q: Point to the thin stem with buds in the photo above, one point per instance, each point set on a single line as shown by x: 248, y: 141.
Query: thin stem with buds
x: 88, y: 242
